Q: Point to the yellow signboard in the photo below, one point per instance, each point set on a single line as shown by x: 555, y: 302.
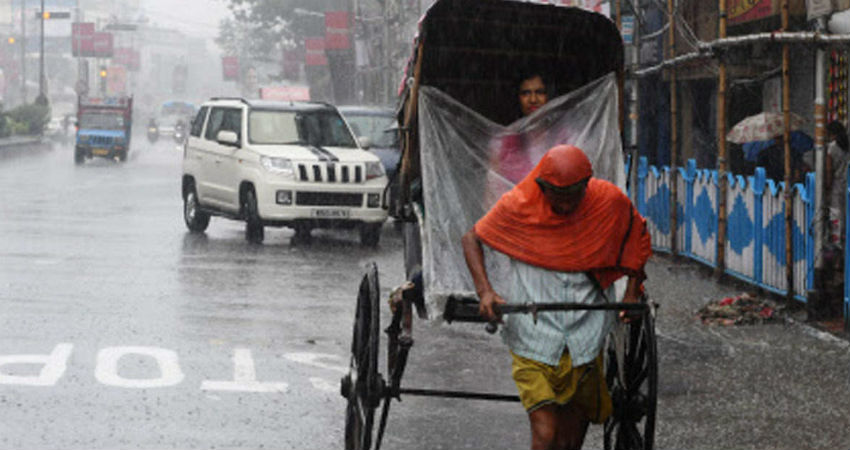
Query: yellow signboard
x: 748, y: 10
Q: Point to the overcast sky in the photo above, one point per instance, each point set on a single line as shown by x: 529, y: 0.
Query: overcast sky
x: 194, y: 17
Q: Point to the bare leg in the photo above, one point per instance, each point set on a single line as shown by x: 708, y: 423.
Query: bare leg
x: 572, y: 427
x: 544, y: 423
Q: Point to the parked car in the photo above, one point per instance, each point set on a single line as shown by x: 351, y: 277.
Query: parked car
x: 280, y: 164
x: 380, y: 127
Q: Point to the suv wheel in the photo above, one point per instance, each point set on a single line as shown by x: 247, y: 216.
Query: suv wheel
x: 79, y: 156
x: 196, y: 219
x: 254, y: 231
x: 370, y: 234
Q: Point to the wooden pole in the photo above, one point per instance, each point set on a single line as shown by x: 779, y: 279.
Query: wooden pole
x: 786, y: 134
x: 721, y: 145
x: 816, y: 299
x: 410, y: 152
x: 621, y: 99
x: 674, y: 187
x: 634, y: 105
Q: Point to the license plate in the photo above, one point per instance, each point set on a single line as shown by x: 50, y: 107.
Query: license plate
x: 100, y: 152
x: 330, y: 213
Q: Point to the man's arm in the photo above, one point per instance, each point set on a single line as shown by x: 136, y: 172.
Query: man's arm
x: 474, y: 255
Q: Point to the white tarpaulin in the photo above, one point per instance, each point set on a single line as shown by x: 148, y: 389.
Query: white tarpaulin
x: 469, y: 161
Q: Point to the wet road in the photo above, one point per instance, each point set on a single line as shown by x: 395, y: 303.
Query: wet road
x: 150, y: 337
x: 119, y: 330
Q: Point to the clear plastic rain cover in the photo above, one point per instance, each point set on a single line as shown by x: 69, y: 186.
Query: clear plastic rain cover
x: 468, y: 162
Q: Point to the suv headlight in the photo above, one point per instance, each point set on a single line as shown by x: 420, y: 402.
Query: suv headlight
x: 282, y: 166
x: 374, y: 169
x: 84, y: 138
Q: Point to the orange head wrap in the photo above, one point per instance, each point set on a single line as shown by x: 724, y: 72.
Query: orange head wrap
x: 565, y: 165
x: 605, y: 235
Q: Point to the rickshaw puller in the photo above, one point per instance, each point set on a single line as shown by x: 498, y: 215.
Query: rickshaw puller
x: 569, y: 236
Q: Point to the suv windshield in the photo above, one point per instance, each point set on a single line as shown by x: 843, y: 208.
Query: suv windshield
x: 381, y: 130
x: 102, y: 121
x: 319, y: 128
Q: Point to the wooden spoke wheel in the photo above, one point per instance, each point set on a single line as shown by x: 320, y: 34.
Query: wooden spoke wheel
x: 363, y: 387
x: 632, y: 377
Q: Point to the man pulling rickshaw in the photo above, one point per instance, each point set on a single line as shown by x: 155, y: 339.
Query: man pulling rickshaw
x: 569, y: 236
x: 531, y: 186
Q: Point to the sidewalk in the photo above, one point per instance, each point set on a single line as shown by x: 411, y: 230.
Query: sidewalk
x: 772, y: 386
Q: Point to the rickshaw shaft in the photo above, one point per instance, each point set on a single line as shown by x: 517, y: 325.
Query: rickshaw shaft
x: 459, y: 394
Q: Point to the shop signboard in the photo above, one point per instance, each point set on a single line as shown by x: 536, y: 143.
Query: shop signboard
x: 285, y: 93
x: 314, y: 52
x: 230, y: 68
x: 740, y: 11
x: 82, y: 39
x: 116, y: 80
x: 818, y: 8
x: 102, y: 45
x: 336, y: 31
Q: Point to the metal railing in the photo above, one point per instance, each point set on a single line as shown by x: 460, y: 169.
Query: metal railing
x: 755, y: 229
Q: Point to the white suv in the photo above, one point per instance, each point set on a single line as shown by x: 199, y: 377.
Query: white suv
x: 280, y: 164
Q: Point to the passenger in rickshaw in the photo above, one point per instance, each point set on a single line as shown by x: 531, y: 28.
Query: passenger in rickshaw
x: 510, y: 159
x: 569, y: 236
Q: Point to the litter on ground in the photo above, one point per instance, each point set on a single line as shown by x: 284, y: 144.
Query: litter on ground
x: 744, y: 309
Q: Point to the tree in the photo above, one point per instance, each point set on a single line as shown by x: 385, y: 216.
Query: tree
x: 258, y: 26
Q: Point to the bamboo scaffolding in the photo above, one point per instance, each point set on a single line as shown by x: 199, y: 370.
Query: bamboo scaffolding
x: 707, y: 50
x: 821, y: 211
x: 634, y: 110
x: 721, y: 146
x: 786, y: 134
x: 621, y: 75
x: 674, y: 185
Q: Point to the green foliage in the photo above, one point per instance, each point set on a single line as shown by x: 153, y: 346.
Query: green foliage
x: 27, y: 119
x: 260, y: 28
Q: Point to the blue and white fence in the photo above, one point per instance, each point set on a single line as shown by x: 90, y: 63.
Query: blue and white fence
x: 755, y: 230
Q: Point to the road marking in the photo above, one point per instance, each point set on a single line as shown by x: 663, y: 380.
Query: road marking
x: 106, y: 370
x: 324, y: 385
x: 54, y: 366
x: 313, y: 359
x: 52, y: 369
x: 244, y: 377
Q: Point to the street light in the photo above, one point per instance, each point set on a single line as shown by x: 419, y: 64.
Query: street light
x: 102, y: 74
x: 11, y: 40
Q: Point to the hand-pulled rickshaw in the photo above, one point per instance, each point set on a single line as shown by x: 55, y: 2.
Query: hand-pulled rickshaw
x: 457, y: 110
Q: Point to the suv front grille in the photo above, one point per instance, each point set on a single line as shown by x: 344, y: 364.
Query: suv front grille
x: 328, y: 199
x: 330, y: 172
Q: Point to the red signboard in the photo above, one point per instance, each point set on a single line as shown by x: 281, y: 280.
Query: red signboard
x: 336, y: 30
x: 285, y: 93
x: 103, y: 45
x: 741, y: 11
x: 230, y: 67
x: 116, y: 80
x: 82, y: 39
x: 315, y: 52
x: 127, y: 57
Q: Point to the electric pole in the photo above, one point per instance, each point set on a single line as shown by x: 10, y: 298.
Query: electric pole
x: 41, y: 96
x: 24, y: 51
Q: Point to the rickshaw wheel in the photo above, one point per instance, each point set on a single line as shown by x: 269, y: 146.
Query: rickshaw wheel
x: 363, y: 386
x: 633, y: 393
